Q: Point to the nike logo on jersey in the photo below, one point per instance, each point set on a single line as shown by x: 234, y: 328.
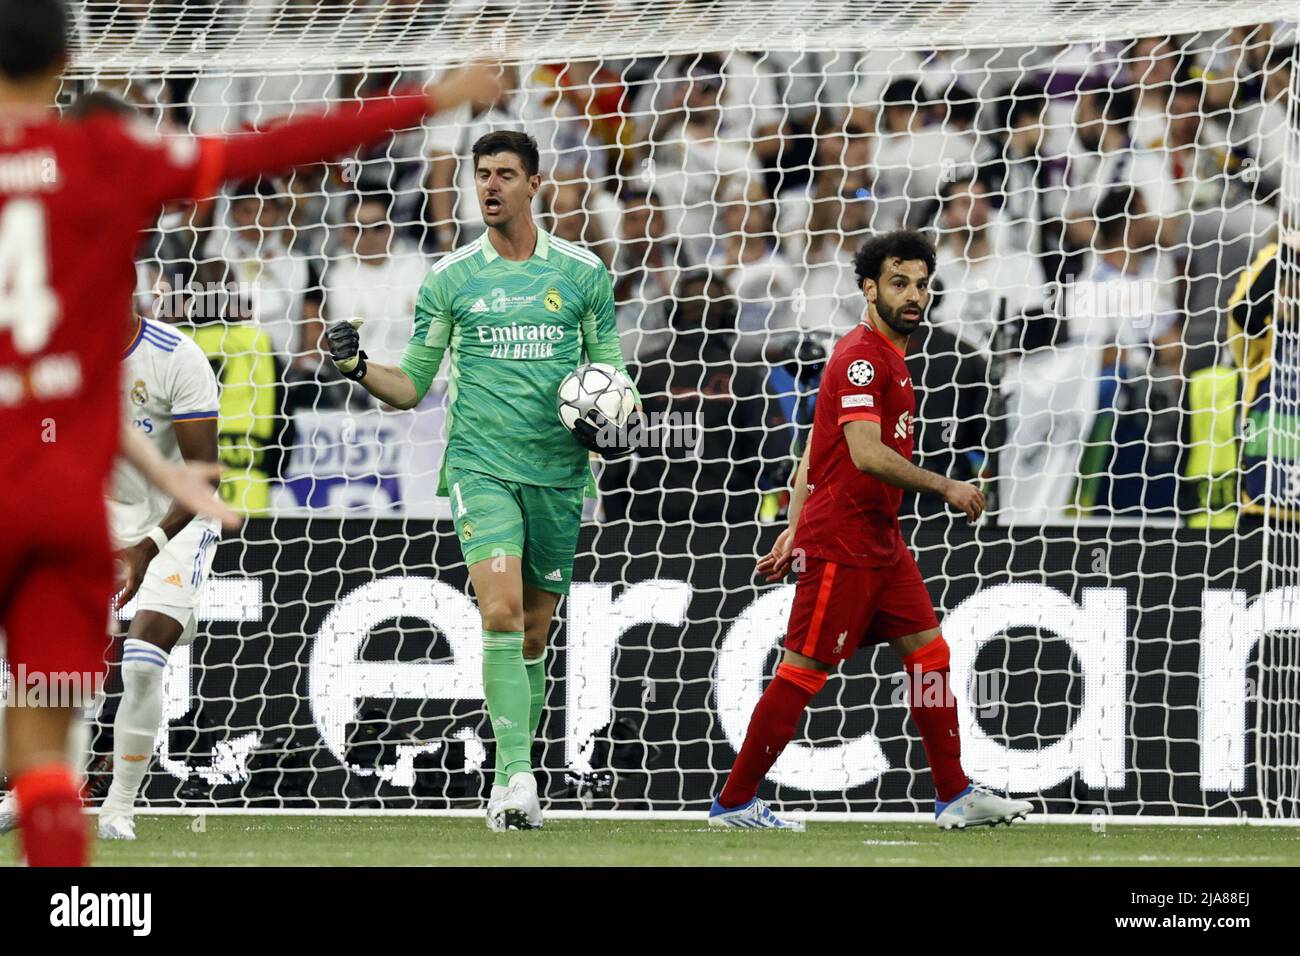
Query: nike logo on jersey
x: 905, y: 381
x: 479, y: 306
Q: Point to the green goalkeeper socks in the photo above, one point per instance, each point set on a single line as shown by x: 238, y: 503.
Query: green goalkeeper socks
x: 537, y: 686
x: 509, y: 697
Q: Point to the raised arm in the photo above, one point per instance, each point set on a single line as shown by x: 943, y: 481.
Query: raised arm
x: 314, y: 139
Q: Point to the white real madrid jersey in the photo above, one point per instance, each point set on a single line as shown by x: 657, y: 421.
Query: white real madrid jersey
x: 165, y: 379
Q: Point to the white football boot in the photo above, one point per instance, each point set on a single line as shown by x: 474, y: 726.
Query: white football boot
x: 974, y: 807
x: 518, y: 808
x: 755, y: 815
x: 494, y: 818
x: 116, y: 826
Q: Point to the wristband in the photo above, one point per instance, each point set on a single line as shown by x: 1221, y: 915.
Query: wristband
x: 159, y: 537
x: 358, y: 371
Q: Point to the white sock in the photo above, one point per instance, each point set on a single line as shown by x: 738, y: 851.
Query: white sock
x: 136, y: 727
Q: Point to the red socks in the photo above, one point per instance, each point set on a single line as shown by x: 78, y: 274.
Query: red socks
x: 934, y: 709
x: 771, y: 727
x: 53, y: 830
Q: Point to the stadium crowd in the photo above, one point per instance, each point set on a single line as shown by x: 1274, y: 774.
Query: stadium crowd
x: 1092, y: 207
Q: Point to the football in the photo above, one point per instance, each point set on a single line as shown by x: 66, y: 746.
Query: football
x: 599, y: 393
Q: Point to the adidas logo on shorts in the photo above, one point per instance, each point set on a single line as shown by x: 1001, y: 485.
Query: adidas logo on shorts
x: 479, y: 306
x: 174, y: 579
x: 555, y: 576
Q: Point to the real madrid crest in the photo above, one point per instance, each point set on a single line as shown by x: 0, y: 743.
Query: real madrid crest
x: 553, y: 301
x: 139, y: 394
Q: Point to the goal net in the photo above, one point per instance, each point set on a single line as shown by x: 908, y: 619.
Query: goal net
x: 1111, y: 353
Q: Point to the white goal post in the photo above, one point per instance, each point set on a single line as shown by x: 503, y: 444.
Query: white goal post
x: 1111, y: 351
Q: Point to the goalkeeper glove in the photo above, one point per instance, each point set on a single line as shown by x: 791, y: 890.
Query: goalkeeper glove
x: 345, y: 349
x: 609, y: 442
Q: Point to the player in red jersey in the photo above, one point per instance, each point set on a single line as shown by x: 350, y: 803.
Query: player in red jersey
x: 861, y: 585
x: 74, y: 198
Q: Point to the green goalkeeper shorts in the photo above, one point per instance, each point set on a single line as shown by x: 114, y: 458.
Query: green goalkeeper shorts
x: 498, y: 518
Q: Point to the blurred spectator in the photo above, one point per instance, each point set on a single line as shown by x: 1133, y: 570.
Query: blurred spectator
x: 645, y: 272
x: 1027, y: 180
x: 828, y: 297
x: 691, y: 167
x: 398, y: 167
x: 981, y: 277
x: 912, y: 160
x: 571, y: 208
x: 1122, y: 306
x: 1151, y: 64
x: 1262, y: 128
x: 1103, y: 156
x: 1131, y: 462
x: 276, y: 280
x: 376, y: 279
x: 840, y: 165
x: 755, y: 271
x: 746, y: 109
x: 1224, y: 220
x: 582, y: 128
x: 453, y: 203
x: 253, y: 430
x: 721, y: 438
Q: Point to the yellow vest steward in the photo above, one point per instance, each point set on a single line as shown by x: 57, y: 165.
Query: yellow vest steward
x: 241, y: 355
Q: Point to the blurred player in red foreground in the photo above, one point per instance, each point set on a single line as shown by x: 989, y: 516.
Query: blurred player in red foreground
x: 74, y: 197
x: 861, y: 585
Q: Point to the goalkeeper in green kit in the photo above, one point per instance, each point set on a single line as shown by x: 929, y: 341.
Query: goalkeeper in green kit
x: 518, y: 309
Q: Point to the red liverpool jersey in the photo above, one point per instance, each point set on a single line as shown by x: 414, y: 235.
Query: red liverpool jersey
x: 74, y: 197
x: 851, y: 517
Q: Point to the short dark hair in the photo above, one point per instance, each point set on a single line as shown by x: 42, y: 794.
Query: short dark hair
x: 968, y: 178
x: 355, y: 200
x: 907, y: 245
x: 33, y: 37
x: 1113, y: 212
x: 962, y: 105
x: 1024, y: 99
x: 1115, y: 104
x: 509, y: 141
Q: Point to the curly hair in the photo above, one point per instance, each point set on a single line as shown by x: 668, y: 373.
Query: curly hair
x: 904, y: 244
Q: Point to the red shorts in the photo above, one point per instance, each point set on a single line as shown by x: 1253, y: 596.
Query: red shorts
x: 56, y: 582
x: 839, y: 607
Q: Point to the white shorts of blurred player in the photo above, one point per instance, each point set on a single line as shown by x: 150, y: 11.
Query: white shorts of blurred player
x: 174, y: 581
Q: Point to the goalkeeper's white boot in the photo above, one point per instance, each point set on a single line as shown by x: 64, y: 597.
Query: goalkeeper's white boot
x: 116, y: 826
x: 518, y: 808
x: 493, y: 817
x: 755, y: 815
x: 8, y: 813
x: 974, y: 807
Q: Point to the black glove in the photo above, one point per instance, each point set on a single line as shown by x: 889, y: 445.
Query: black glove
x: 345, y: 350
x: 608, y: 442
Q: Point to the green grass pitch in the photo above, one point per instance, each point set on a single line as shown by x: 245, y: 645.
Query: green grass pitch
x: 440, y: 841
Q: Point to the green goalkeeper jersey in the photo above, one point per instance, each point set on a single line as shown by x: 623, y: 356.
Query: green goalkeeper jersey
x: 513, y: 331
